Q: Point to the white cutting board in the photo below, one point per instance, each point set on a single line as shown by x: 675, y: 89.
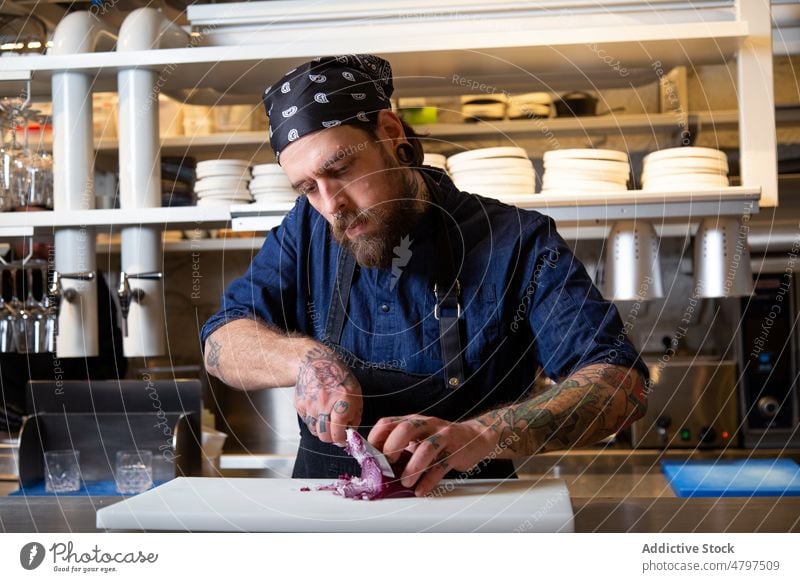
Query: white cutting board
x: 278, y: 505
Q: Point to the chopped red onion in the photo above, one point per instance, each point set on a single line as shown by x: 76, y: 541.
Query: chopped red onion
x: 372, y: 484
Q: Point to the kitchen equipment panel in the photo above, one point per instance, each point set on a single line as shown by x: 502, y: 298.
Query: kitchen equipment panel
x: 692, y: 402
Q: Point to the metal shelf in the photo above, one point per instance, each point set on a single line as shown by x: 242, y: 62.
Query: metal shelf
x: 580, y: 209
x: 583, y: 210
x: 499, y: 53
x: 518, y: 128
x: 178, y: 145
x: 28, y: 223
x: 252, y: 244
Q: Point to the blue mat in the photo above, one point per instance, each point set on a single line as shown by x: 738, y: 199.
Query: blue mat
x: 92, y: 488
x: 740, y: 478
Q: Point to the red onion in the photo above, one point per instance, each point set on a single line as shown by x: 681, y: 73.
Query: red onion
x: 372, y: 484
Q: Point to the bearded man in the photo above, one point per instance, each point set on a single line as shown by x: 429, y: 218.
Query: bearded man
x: 417, y: 313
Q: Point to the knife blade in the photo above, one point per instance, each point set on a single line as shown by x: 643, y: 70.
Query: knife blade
x: 383, y: 462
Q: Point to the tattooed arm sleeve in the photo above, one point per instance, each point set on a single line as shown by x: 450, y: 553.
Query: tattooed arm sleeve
x: 588, y: 406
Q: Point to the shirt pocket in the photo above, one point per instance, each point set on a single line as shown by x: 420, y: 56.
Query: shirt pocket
x: 480, y: 325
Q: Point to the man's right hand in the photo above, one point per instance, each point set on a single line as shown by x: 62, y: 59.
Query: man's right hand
x: 327, y: 395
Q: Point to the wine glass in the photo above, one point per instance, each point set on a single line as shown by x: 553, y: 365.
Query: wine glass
x: 31, y: 188
x: 8, y: 152
x: 32, y: 318
x: 17, y: 307
x: 44, y: 164
x: 14, y: 159
x: 8, y: 319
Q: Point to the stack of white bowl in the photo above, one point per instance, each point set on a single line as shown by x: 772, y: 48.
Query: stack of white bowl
x: 222, y: 182
x: 435, y: 161
x: 486, y: 107
x: 530, y: 105
x: 685, y: 168
x: 500, y: 171
x: 270, y: 185
x: 585, y: 170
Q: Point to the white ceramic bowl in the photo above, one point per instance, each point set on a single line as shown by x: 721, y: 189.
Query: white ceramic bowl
x: 267, y: 181
x: 576, y: 185
x: 233, y: 194
x: 614, y: 169
x: 617, y: 177
x: 223, y: 162
x: 686, y: 164
x: 222, y: 172
x: 686, y: 152
x: 585, y: 154
x: 268, y: 169
x: 498, y: 180
x: 220, y: 183
x: 490, y: 165
x: 486, y: 153
x: 218, y: 202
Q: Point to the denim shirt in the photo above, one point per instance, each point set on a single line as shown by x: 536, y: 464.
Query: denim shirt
x: 527, y: 302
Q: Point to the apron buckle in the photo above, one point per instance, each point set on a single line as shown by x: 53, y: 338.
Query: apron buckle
x: 439, y: 302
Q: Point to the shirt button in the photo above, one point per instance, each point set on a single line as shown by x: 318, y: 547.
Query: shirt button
x: 385, y: 308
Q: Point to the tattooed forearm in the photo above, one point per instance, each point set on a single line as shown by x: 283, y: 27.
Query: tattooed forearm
x: 213, y: 351
x: 323, y: 370
x: 251, y: 354
x: 588, y: 406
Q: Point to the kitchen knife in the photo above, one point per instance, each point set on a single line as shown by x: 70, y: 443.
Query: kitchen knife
x: 383, y: 462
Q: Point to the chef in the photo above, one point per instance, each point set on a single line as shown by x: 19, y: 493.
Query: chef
x: 420, y: 314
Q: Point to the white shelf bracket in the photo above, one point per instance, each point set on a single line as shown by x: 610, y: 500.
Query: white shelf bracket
x: 758, y: 158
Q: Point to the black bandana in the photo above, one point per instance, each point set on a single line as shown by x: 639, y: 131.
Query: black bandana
x: 326, y: 92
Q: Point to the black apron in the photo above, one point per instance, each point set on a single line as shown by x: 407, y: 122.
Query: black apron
x: 388, y: 392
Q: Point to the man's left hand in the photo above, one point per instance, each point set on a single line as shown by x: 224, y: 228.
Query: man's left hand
x: 437, y: 446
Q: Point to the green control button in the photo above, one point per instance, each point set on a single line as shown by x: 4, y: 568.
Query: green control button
x: 685, y: 434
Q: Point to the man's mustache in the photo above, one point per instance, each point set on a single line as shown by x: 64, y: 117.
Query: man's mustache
x: 344, y: 220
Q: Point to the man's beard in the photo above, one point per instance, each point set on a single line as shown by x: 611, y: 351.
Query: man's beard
x: 392, y: 219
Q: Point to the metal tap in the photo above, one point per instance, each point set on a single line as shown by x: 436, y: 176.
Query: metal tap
x: 127, y: 295
x: 58, y: 293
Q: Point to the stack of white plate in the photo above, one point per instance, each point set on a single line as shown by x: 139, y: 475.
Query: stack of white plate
x: 500, y: 171
x: 435, y: 160
x: 222, y: 182
x: 685, y: 168
x: 585, y: 170
x: 270, y: 185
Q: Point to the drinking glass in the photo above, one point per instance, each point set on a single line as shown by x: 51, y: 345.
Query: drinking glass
x: 134, y: 471
x: 62, y: 471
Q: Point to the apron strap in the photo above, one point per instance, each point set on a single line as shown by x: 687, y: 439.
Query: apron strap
x: 447, y: 292
x: 340, y: 296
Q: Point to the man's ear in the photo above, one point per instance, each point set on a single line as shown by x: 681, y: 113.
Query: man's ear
x: 389, y: 128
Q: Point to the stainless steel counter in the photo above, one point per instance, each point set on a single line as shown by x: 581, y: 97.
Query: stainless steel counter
x: 611, y: 491
x: 698, y: 515
x: 634, y: 514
